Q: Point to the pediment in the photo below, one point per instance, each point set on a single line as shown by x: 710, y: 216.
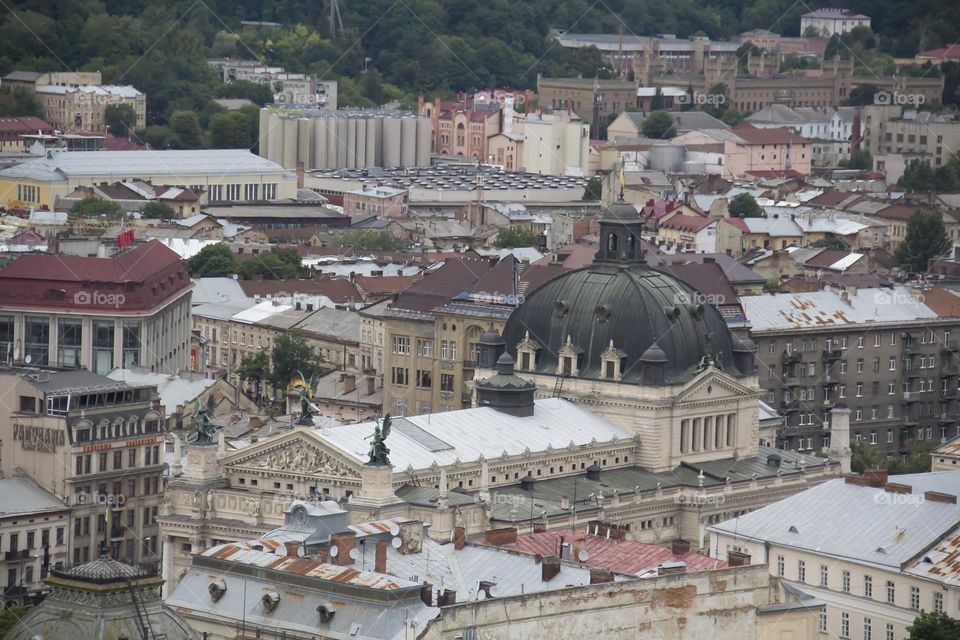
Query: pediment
x: 297, y: 452
x: 712, y: 384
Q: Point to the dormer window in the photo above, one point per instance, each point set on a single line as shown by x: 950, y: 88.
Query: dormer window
x: 527, y: 353
x: 612, y: 362
x: 568, y: 359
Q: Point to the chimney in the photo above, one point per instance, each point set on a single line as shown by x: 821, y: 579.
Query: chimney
x: 369, y: 384
x: 345, y: 541
x: 459, y: 538
x: 539, y: 527
x: 293, y: 549
x: 680, y: 547
x: 380, y: 557
x: 936, y: 496
x: 564, y: 502
x: 411, y: 536
x: 564, y: 550
x: 578, y: 546
x: 349, y: 383
x: 300, y: 173
x: 323, y: 554
x: 738, y: 559
x: 600, y: 576
x: 896, y: 487
x: 426, y: 594
x: 550, y: 568
x: 876, y: 478
x: 500, y: 537
x: 485, y: 586
x: 671, y: 568
x: 448, y: 597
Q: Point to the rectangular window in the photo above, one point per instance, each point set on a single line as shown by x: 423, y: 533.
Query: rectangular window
x: 446, y: 382
x: 801, y: 571
x: 844, y: 624
x: 891, y: 592
x: 867, y: 587
x: 867, y: 629
x: 937, y: 602
x: 37, y: 339
x: 915, y: 598
x: 399, y: 376
x: 424, y: 379
x: 401, y: 345
x: 822, y: 626
x: 824, y: 575
x: 425, y: 348
x: 845, y: 581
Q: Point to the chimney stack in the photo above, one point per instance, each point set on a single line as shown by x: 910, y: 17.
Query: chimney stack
x: 936, y: 496
x: 459, y: 538
x: 738, y: 559
x: 550, y: 568
x: 369, y: 385
x: 345, y: 541
x: 292, y: 548
x: 349, y: 383
x: 448, y: 597
x: 876, y: 478
x: 426, y: 594
x: 680, y: 547
x: 380, y: 557
x: 500, y: 537
x: 600, y: 576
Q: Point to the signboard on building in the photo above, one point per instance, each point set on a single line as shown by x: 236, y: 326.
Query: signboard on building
x: 41, y: 439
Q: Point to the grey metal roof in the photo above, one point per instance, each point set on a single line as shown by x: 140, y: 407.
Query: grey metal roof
x: 24, y: 495
x: 70, y: 381
x: 862, y: 524
x: 119, y: 164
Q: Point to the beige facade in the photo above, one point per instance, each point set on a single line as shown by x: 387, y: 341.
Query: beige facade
x: 76, y: 102
x: 384, y: 202
x: 95, y: 444
x: 593, y: 100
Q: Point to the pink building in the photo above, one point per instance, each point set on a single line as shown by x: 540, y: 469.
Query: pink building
x: 772, y: 152
x: 461, y: 128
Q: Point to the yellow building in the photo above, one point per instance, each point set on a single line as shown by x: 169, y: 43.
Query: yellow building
x: 225, y: 175
x: 76, y: 102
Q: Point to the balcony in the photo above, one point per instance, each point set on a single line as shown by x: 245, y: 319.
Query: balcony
x: 911, y: 396
x: 911, y: 349
x: 14, y: 591
x: 22, y: 554
x: 948, y: 393
x: 949, y: 370
x: 789, y: 406
x: 791, y: 357
x: 791, y: 382
x: 834, y: 353
x: 946, y: 418
x: 469, y: 364
x: 912, y: 373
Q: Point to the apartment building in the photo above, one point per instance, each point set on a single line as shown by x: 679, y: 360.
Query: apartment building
x: 885, y: 353
x: 287, y: 88
x: 78, y: 312
x: 876, y: 550
x: 76, y: 102
x: 899, y: 136
x: 94, y: 443
x: 383, y: 202
x: 592, y: 99
x: 828, y: 21
x: 33, y: 539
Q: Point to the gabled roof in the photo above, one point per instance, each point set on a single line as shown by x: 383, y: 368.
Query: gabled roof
x: 683, y: 222
x: 756, y: 135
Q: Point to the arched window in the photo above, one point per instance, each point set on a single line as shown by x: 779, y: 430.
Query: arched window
x: 612, y: 240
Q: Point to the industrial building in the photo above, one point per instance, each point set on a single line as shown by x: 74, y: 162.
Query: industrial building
x: 344, y: 139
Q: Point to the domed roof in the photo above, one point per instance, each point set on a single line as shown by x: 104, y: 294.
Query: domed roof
x: 104, y: 569
x: 621, y: 211
x: 648, y: 315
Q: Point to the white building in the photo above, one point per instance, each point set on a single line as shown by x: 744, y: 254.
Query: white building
x: 829, y: 21
x: 876, y: 552
x: 830, y: 130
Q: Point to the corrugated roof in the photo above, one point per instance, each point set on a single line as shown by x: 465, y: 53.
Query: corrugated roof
x: 24, y: 495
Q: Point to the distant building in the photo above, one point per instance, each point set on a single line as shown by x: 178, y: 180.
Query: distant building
x: 896, y: 136
x: 13, y: 132
x: 829, y: 21
x: 461, y: 128
x: 227, y: 175
x: 97, y: 313
x: 592, y: 99
x: 384, y: 202
x: 831, y: 131
x: 76, y: 102
x: 287, y: 88
x: 37, y: 524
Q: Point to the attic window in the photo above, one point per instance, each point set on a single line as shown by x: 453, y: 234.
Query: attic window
x: 881, y: 550
x: 793, y: 529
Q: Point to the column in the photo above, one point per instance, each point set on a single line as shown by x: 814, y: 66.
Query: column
x: 166, y: 564
x: 708, y: 433
x: 695, y: 434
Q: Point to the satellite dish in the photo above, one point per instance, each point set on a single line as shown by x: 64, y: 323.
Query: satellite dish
x: 396, y: 543
x: 481, y: 595
x: 354, y: 553
x: 28, y: 358
x: 334, y: 551
x: 583, y: 556
x: 394, y: 529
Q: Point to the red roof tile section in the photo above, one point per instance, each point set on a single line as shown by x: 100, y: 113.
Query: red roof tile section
x: 623, y: 556
x: 136, y: 281
x: 756, y: 135
x: 686, y: 223
x: 12, y: 128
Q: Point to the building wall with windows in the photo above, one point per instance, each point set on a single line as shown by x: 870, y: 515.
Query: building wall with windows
x: 95, y: 444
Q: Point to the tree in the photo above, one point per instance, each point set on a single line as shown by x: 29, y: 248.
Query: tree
x: 93, y: 207
x: 659, y: 125
x: 255, y: 368
x: 732, y: 116
x: 926, y: 239
x: 276, y: 264
x: 230, y: 131
x: 9, y: 618
x: 831, y: 242
x: 158, y: 211
x: 933, y: 626
x: 513, y: 237
x: 862, y: 95
x: 186, y: 125
x: 743, y: 205
x: 593, y: 190
x: 292, y: 356
x: 214, y: 260
x: 120, y: 118
x: 860, y: 160
x: 863, y: 456
x: 688, y: 103
x: 656, y: 103
x: 917, y: 176
x: 18, y: 101
x: 254, y: 92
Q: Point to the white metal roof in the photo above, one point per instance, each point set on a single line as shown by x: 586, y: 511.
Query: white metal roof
x: 174, y: 391
x: 468, y: 434
x: 862, y: 524
x: 824, y: 309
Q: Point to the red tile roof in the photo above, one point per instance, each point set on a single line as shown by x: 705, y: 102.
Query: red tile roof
x: 953, y: 51
x: 13, y: 128
x: 656, y: 209
x: 898, y: 212
x: 119, y: 143
x: 137, y: 280
x: 827, y: 257
x: 738, y: 223
x: 756, y: 135
x: 623, y: 556
x: 685, y: 222
x: 340, y: 290
x: 379, y: 285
